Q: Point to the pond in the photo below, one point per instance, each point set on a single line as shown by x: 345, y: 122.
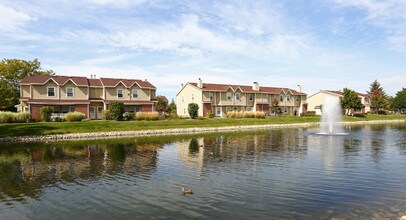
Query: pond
x: 266, y: 174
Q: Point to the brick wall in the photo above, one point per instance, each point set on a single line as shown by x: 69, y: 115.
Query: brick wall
x: 206, y: 109
x: 83, y: 109
x: 35, y: 111
x: 146, y: 108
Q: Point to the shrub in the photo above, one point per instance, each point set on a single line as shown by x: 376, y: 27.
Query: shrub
x: 382, y: 112
x: 6, y: 117
x: 210, y: 114
x: 57, y: 119
x: 22, y: 117
x: 116, y: 110
x: 106, y: 114
x: 359, y: 115
x: 200, y: 118
x: 249, y: 115
x: 309, y: 113
x: 259, y: 114
x: 149, y: 116
x: 86, y: 119
x: 74, y: 116
x: 193, y: 110
x: 46, y: 113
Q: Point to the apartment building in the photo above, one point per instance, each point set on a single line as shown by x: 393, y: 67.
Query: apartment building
x: 221, y: 98
x: 89, y: 96
x: 316, y: 100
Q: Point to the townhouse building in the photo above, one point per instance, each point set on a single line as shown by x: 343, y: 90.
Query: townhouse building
x: 316, y: 100
x: 221, y: 98
x: 89, y: 96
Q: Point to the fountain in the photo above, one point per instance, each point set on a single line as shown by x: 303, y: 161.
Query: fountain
x: 331, y: 119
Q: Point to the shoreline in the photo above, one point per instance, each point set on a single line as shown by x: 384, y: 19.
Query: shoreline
x: 175, y: 131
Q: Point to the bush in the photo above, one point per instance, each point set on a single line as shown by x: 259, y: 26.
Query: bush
x: 74, y: 116
x: 210, y: 114
x: 149, y: 116
x: 193, y: 110
x: 6, y: 117
x: 309, y: 113
x: 249, y: 115
x: 235, y: 114
x: 46, y: 113
x: 382, y: 112
x: 57, y: 119
x: 259, y: 114
x: 359, y: 115
x: 116, y: 110
x: 86, y: 119
x: 106, y: 114
x: 22, y: 117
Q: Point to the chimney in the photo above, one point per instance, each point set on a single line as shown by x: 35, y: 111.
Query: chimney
x: 91, y: 76
x: 94, y: 76
x: 255, y: 86
x: 200, y: 83
x: 146, y: 80
x: 299, y: 88
x: 181, y: 86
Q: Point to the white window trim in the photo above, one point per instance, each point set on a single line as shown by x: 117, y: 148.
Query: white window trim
x: 122, y: 92
x: 251, y: 97
x: 73, y: 92
x: 281, y: 98
x: 229, y: 97
x: 53, y: 87
x: 239, y: 97
x: 136, y: 93
x: 288, y: 98
x: 211, y: 96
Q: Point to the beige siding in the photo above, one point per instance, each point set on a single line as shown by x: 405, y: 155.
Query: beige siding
x: 111, y: 93
x: 25, y: 91
x: 78, y: 92
x: 153, y: 94
x: 224, y: 100
x: 318, y: 99
x: 41, y: 92
x: 95, y: 93
x: 186, y: 93
x: 206, y: 96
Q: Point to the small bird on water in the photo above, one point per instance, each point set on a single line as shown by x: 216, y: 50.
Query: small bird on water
x: 186, y: 191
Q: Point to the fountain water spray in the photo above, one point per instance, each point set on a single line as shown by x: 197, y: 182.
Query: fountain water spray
x: 331, y: 119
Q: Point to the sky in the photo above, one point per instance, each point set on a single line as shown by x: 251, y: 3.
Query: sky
x: 318, y: 44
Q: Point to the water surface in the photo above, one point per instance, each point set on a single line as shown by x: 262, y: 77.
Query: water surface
x: 278, y: 173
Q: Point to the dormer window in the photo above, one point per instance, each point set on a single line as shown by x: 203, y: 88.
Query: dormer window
x: 297, y: 98
x: 51, y: 91
x: 251, y: 97
x: 120, y: 94
x: 281, y: 98
x: 134, y: 93
x: 229, y: 96
x: 288, y: 98
x: 69, y: 92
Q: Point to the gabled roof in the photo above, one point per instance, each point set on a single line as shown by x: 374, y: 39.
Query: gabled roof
x: 245, y: 88
x: 111, y: 82
x: 340, y: 93
x: 60, y: 80
x: 83, y: 81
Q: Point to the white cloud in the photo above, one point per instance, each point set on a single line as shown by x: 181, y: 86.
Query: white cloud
x: 12, y: 20
x: 387, y: 14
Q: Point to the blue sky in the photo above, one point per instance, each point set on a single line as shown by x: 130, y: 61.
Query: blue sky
x: 319, y: 44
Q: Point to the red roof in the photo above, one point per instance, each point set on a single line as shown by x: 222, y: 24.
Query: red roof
x: 224, y: 87
x: 111, y: 82
x: 340, y: 93
x: 83, y: 81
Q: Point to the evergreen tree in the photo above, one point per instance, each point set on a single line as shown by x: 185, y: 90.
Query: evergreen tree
x: 377, y: 96
x: 399, y: 102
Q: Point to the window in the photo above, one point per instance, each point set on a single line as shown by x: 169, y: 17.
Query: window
x: 69, y: 92
x: 26, y: 109
x: 237, y: 97
x: 51, y: 91
x: 228, y: 108
x: 249, y: 109
x: 285, y: 109
x: 193, y: 97
x: 120, y: 93
x: 134, y: 93
x: 242, y: 109
x: 288, y: 98
x: 297, y: 98
x: 235, y: 108
x: 211, y: 96
x: 251, y: 97
x: 281, y: 98
x: 229, y: 96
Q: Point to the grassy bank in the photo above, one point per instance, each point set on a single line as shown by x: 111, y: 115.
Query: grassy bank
x: 44, y: 128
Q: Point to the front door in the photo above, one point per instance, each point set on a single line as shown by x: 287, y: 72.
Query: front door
x: 99, y: 112
x: 92, y: 111
x: 218, y: 111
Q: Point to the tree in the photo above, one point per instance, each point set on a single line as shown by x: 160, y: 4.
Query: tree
x: 116, y: 110
x: 275, y: 106
x: 377, y: 96
x: 350, y: 100
x: 193, y: 110
x: 171, y: 108
x: 399, y: 102
x: 162, y: 104
x: 11, y: 72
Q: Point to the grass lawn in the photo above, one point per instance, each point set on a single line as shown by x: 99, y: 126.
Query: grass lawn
x: 43, y: 128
